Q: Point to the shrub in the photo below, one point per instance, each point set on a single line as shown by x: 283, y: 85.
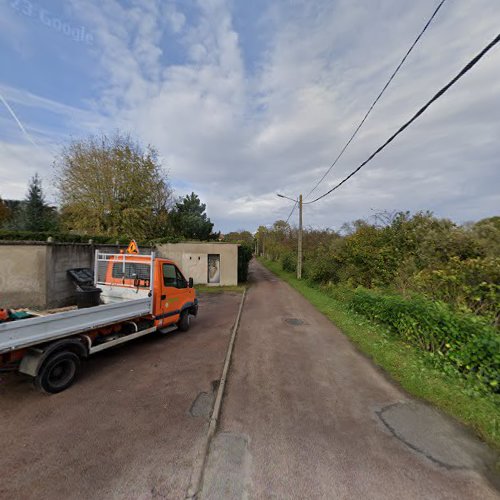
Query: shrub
x: 323, y: 266
x: 467, y: 342
x: 245, y: 252
x: 471, y: 284
x: 289, y: 262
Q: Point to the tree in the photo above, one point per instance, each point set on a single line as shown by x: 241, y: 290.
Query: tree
x: 241, y: 236
x: 36, y: 214
x: 487, y: 233
x: 4, y: 213
x: 113, y: 186
x: 190, y: 220
x: 15, y: 214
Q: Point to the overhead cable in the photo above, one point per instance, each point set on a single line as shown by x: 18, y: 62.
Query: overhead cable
x: 439, y: 94
x: 377, y: 98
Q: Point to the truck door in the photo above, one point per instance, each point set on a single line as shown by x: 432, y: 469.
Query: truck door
x: 174, y: 292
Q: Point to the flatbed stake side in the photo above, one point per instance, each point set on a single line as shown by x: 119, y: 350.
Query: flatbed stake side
x: 140, y: 294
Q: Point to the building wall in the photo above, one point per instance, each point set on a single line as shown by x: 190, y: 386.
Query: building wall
x: 192, y: 258
x: 23, y: 271
x: 33, y: 275
x: 60, y: 258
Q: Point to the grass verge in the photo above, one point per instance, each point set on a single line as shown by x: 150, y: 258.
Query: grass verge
x: 219, y: 289
x: 408, y: 366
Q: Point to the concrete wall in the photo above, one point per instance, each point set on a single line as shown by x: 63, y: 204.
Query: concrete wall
x: 60, y: 258
x: 192, y: 258
x: 33, y: 275
x: 23, y: 272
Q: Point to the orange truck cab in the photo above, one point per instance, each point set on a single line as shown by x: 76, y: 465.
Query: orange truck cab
x: 174, y: 298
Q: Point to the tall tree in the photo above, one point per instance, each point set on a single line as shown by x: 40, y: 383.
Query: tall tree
x: 4, y: 213
x: 36, y: 214
x: 190, y: 220
x: 113, y: 185
x: 241, y: 236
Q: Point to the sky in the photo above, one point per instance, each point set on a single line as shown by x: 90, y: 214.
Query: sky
x: 244, y: 100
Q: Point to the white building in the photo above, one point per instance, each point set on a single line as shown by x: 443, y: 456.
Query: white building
x: 207, y: 263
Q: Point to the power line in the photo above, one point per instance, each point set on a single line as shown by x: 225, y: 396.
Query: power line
x: 377, y: 98
x: 291, y: 213
x: 464, y: 70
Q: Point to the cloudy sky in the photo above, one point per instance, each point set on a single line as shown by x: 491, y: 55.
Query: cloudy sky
x: 244, y: 99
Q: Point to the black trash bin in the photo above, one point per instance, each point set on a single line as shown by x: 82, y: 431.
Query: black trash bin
x: 87, y: 295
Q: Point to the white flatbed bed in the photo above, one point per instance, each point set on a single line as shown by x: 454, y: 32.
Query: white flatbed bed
x: 31, y: 331
x: 120, y: 303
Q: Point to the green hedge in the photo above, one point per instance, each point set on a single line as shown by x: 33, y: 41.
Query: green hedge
x: 465, y: 341
x: 289, y: 262
x: 12, y: 235
x: 245, y: 253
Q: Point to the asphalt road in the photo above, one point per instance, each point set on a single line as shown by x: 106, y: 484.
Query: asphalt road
x: 306, y: 415
x: 132, y: 425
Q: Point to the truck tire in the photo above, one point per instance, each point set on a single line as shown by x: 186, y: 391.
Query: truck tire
x: 58, y: 372
x: 184, y: 322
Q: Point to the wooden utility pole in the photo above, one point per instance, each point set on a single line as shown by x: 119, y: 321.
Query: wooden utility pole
x: 299, y: 251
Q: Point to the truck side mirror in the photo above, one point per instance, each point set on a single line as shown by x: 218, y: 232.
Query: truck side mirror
x: 191, y: 283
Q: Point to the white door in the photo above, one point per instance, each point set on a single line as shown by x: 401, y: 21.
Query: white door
x: 214, y: 268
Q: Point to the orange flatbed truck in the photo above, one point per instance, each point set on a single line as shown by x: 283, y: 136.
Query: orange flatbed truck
x: 140, y: 294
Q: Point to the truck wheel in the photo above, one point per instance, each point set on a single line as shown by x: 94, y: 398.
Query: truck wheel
x: 58, y: 372
x: 184, y: 322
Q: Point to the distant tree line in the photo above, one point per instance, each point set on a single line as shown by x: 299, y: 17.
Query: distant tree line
x: 109, y: 186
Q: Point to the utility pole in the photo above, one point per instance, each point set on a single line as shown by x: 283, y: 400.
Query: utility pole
x: 299, y: 250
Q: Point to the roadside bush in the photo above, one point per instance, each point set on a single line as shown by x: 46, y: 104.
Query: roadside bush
x: 367, y: 258
x: 289, y: 262
x: 322, y: 271
x: 245, y: 253
x: 467, y: 342
x: 472, y: 285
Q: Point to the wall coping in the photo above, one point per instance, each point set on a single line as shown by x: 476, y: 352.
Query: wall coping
x: 62, y: 243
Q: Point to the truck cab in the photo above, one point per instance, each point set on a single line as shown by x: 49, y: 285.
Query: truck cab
x: 174, y: 298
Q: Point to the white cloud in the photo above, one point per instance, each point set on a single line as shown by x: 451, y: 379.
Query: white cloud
x: 18, y: 164
x: 237, y: 136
